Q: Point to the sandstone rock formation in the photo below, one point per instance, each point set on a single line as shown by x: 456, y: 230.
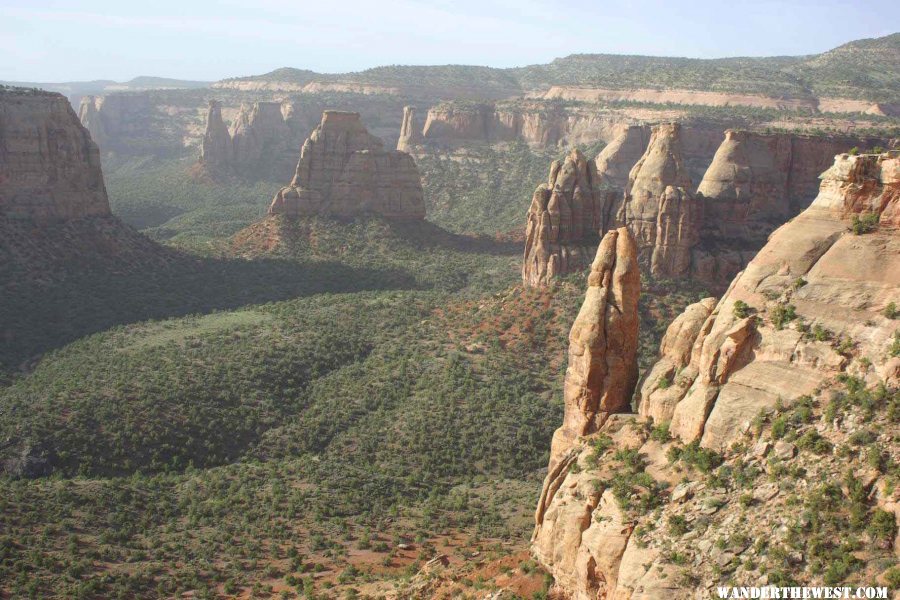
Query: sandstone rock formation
x: 49, y: 167
x: 216, y: 151
x: 257, y: 127
x: 823, y: 273
x: 616, y: 519
x: 345, y: 171
x: 660, y: 208
x: 566, y: 217
x: 410, y: 130
x: 261, y: 143
x: 618, y: 157
x: 539, y: 124
x: 118, y: 121
x: 89, y: 114
x: 54, y: 212
x: 602, y: 370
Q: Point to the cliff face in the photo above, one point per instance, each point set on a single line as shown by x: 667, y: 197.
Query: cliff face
x: 117, y: 120
x: 262, y: 141
x: 344, y: 171
x: 754, y: 183
x: 55, y: 219
x: 410, y: 130
x: 618, y: 157
x: 810, y: 267
x: 536, y: 124
x: 660, y: 208
x: 566, y: 217
x: 49, y: 167
x: 626, y: 514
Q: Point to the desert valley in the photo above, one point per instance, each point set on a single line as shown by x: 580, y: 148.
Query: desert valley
x: 609, y: 327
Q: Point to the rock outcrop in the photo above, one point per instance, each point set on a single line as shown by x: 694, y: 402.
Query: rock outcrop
x: 602, y: 371
x: 538, y: 124
x: 811, y: 270
x: 754, y: 383
x: 256, y: 130
x: 410, y: 130
x: 55, y: 219
x: 660, y: 208
x: 345, y: 171
x: 261, y: 143
x: 49, y: 167
x: 119, y: 121
x: 216, y: 151
x: 566, y: 218
x: 617, y: 158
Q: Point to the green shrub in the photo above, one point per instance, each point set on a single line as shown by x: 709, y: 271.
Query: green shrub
x: 741, y: 310
x: 678, y: 525
x: 660, y: 433
x: 703, y: 459
x: 782, y: 314
x: 865, y: 223
x: 882, y: 525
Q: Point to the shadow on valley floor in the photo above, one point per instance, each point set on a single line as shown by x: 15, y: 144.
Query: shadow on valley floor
x: 37, y: 316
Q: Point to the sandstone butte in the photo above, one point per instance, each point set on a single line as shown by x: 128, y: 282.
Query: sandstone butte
x: 722, y: 365
x: 54, y: 211
x: 49, y: 166
x: 345, y: 171
x: 754, y: 183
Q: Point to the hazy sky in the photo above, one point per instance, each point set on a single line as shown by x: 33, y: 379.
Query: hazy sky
x: 43, y: 40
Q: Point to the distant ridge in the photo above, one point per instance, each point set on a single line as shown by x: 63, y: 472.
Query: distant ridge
x: 867, y: 69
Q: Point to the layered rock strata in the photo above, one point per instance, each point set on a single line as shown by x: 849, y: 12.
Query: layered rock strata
x: 617, y: 519
x: 345, y: 171
x: 567, y: 215
x: 49, y: 166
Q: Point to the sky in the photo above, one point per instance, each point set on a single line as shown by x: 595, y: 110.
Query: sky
x: 54, y: 41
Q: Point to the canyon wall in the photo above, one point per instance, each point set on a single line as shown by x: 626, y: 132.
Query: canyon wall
x: 753, y: 183
x: 630, y: 509
x: 54, y: 211
x: 720, y: 99
x: 454, y: 124
x: 49, y: 167
x: 126, y: 122
x: 345, y: 171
